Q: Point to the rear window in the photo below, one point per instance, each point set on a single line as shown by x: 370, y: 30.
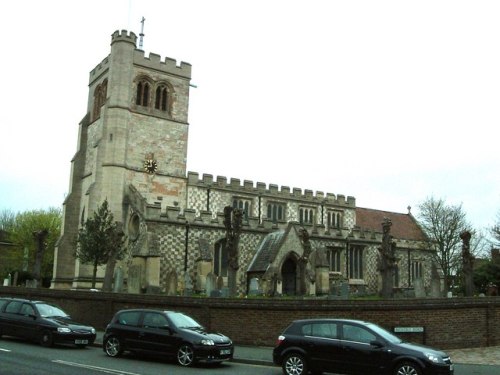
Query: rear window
x: 13, y: 307
x: 129, y: 318
x: 326, y: 330
x: 2, y: 302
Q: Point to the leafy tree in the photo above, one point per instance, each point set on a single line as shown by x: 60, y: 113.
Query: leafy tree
x: 21, y: 232
x: 7, y: 220
x: 100, y: 240
x: 495, y: 231
x: 485, y: 275
x: 443, y: 224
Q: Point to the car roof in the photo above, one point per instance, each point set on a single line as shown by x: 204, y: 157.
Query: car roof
x: 17, y: 299
x: 332, y: 320
x: 144, y: 310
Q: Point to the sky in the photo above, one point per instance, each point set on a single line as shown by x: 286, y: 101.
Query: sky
x: 391, y: 102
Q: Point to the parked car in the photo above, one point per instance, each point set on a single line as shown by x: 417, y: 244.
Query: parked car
x: 168, y: 333
x: 353, y: 347
x: 42, y: 322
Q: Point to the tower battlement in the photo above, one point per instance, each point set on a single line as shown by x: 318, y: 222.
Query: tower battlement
x: 168, y: 65
x: 153, y: 61
x: 271, y: 190
x: 124, y: 36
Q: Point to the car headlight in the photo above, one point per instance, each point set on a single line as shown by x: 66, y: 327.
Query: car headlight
x: 434, y: 358
x: 63, y: 330
x: 93, y: 331
x: 207, y: 342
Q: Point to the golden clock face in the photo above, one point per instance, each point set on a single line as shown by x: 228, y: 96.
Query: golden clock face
x: 150, y: 166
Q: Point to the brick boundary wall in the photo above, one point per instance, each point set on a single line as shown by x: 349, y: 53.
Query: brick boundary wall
x: 448, y: 323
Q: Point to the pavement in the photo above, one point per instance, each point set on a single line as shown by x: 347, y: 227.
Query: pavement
x: 263, y: 355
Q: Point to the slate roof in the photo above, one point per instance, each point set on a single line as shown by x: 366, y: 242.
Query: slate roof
x: 404, y: 226
x: 267, y: 251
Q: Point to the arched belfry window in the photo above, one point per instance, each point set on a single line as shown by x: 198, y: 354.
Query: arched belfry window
x: 162, y: 98
x: 143, y: 93
x: 100, y: 93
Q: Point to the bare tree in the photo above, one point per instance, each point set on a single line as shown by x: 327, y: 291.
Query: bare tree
x: 387, y: 260
x: 232, y: 222
x: 443, y: 224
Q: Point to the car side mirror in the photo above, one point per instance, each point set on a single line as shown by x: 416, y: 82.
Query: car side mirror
x: 377, y: 344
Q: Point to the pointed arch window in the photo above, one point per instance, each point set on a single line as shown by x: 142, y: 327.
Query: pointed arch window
x: 143, y: 93
x: 99, y: 98
x: 162, y: 98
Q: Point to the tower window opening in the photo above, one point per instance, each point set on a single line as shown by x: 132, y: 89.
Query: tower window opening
x: 275, y: 212
x: 161, y: 98
x: 306, y: 215
x: 142, y: 93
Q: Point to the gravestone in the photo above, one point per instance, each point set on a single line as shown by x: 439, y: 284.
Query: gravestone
x: 134, y: 279
x: 210, y: 284
x: 436, y: 283
x: 418, y: 285
x: 6, y: 281
x: 219, y: 284
x: 118, y: 281
x: 16, y: 276
x: 344, y: 291
x: 172, y: 283
x: 188, y: 285
x: 254, y: 287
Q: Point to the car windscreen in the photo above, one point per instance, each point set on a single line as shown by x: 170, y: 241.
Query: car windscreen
x: 46, y: 311
x: 183, y: 321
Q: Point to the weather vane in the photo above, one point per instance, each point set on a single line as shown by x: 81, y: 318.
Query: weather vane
x: 141, y: 35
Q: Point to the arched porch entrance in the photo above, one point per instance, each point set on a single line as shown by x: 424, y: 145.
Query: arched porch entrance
x: 289, y: 277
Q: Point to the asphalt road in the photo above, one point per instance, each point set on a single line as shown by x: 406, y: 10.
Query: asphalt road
x: 22, y: 358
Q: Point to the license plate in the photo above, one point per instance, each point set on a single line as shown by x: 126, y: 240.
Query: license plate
x: 225, y: 351
x: 81, y: 342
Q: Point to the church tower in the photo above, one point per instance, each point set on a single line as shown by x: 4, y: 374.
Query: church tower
x: 133, y: 137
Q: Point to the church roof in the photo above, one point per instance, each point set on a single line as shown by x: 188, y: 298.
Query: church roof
x: 266, y: 253
x: 404, y: 226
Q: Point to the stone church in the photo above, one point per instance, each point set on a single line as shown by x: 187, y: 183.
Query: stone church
x: 132, y: 151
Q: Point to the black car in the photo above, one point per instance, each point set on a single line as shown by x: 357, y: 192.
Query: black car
x: 42, y: 322
x: 168, y: 333
x: 353, y: 347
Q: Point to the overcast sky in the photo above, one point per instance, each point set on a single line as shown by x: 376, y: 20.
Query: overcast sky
x: 391, y: 102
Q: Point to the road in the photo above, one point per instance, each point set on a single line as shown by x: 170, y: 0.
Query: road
x: 22, y: 358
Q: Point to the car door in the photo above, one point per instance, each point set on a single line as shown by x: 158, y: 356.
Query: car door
x: 155, y: 334
x: 322, y: 341
x: 127, y: 328
x: 28, y: 322
x: 358, y: 355
x: 9, y: 319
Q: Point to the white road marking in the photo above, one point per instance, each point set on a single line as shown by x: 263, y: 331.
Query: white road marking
x: 96, y: 368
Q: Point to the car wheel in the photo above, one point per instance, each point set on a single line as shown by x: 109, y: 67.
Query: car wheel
x: 407, y: 368
x: 294, y: 364
x: 185, y: 355
x: 46, y: 339
x: 113, y: 346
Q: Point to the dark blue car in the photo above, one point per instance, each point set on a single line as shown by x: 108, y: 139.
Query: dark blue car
x: 353, y: 347
x: 42, y: 322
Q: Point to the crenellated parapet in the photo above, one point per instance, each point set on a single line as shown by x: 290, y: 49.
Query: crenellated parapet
x: 250, y: 188
x: 168, y: 65
x: 175, y: 215
x: 152, y: 61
